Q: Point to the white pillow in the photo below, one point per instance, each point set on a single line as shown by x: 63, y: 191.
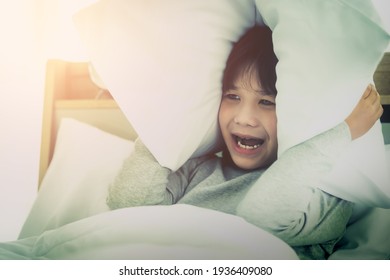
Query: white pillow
x: 85, y: 161
x: 328, y: 52
x: 163, y: 63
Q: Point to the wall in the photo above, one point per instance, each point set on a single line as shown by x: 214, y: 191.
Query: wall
x: 20, y: 115
x: 31, y: 31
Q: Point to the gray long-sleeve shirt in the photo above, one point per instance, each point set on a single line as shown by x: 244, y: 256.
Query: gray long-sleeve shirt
x: 283, y: 199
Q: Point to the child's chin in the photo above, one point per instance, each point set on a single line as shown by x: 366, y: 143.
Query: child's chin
x: 246, y: 164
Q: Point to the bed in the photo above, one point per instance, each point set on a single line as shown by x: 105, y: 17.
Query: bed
x: 86, y: 136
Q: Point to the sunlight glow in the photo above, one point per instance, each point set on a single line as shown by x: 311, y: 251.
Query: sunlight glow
x: 56, y: 31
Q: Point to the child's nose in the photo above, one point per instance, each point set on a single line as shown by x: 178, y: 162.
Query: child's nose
x: 246, y: 117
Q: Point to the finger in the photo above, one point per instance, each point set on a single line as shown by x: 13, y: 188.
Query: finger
x: 368, y: 91
x: 379, y: 104
x: 380, y: 111
x: 376, y: 96
x: 373, y: 96
x: 373, y: 90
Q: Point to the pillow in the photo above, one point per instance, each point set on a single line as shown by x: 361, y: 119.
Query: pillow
x: 85, y: 161
x: 163, y: 63
x: 328, y: 52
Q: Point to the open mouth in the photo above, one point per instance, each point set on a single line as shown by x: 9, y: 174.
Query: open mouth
x: 248, y: 143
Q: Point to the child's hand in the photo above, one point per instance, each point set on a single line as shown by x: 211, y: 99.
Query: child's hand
x: 365, y: 114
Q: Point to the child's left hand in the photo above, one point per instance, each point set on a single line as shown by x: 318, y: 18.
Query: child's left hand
x: 366, y: 113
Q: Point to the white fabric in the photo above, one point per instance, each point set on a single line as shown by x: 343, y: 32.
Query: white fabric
x: 75, y: 186
x: 163, y: 63
x: 367, y: 238
x: 328, y: 52
x: 152, y: 232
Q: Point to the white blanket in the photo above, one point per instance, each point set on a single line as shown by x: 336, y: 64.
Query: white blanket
x: 152, y: 232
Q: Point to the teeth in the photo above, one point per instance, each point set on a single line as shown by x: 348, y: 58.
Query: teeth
x: 246, y: 146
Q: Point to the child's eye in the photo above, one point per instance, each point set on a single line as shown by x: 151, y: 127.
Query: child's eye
x: 266, y: 102
x: 231, y: 96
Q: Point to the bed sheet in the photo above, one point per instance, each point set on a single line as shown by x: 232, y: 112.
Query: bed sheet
x: 367, y: 238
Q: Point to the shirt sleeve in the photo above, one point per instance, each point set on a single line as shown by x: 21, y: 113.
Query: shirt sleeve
x: 143, y: 181
x: 286, y: 200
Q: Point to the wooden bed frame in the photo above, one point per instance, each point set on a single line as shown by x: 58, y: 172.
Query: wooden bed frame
x: 70, y: 92
x: 382, y: 79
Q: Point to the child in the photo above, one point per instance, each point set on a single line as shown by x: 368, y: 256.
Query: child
x: 247, y: 120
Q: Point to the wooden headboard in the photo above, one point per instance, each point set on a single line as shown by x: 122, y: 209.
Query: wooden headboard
x: 70, y: 93
x: 382, y: 79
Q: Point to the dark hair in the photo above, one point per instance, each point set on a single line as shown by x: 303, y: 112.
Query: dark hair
x: 253, y: 51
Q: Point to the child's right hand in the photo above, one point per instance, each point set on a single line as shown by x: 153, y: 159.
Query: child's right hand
x: 366, y: 113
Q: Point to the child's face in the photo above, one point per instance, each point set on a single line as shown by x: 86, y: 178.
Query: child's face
x: 247, y: 120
